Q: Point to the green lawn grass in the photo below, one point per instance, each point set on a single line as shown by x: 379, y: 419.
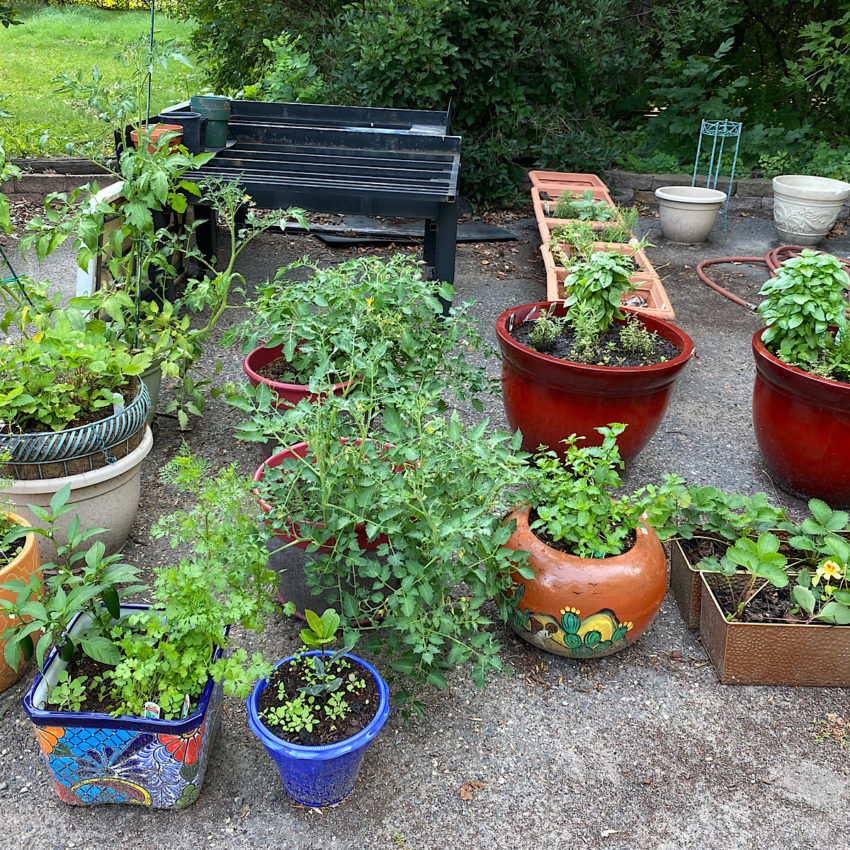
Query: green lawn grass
x: 65, y: 39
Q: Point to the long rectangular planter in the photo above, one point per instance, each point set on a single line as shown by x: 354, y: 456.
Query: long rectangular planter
x: 685, y: 584
x: 791, y: 654
x: 647, y: 287
x: 97, y: 758
x: 580, y: 180
x: 544, y: 210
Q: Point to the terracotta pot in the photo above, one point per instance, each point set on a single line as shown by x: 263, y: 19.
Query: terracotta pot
x: 586, y: 607
x: 548, y: 399
x: 802, y: 425
x: 287, y: 394
x: 154, y: 134
x: 790, y: 654
x: 23, y: 567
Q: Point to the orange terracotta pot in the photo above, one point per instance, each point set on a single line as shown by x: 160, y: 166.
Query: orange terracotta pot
x: 586, y: 607
x: 22, y: 568
x: 155, y: 132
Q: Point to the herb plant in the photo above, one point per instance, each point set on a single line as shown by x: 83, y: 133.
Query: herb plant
x: 574, y: 500
x: 583, y: 207
x: 802, y: 303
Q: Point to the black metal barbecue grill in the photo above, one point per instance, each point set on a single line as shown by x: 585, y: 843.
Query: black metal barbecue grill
x: 347, y: 159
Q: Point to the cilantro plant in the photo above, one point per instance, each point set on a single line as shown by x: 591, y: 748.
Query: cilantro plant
x: 574, y: 499
x: 802, y: 304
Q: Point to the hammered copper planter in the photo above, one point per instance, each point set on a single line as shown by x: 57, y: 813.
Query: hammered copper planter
x: 685, y: 584
x: 548, y: 399
x: 789, y: 654
x: 586, y: 607
x: 22, y: 568
x: 802, y: 424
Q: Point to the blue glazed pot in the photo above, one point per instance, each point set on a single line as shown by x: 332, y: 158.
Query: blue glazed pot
x: 97, y: 758
x: 323, y: 775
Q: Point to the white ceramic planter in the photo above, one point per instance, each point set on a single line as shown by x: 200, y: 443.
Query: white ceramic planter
x: 688, y: 213
x: 805, y: 208
x: 104, y: 498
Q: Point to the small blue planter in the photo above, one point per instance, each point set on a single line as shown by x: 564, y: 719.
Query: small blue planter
x: 319, y: 776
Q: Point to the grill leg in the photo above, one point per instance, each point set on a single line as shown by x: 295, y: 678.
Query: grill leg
x: 429, y: 249
x: 445, y: 238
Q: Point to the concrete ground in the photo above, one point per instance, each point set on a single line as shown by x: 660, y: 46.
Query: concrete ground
x: 643, y: 749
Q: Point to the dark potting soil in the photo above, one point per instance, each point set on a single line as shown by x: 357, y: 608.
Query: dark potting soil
x: 105, y: 412
x: 610, y: 342
x: 363, y: 703
x: 563, y: 546
x: 279, y: 370
x: 11, y: 552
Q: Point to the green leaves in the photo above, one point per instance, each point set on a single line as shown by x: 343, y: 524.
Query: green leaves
x: 761, y: 558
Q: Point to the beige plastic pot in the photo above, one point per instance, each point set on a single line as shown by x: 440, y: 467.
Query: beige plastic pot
x: 104, y: 498
x: 805, y: 208
x: 687, y: 213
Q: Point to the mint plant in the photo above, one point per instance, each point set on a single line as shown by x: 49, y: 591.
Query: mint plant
x: 574, y: 502
x: 802, y: 304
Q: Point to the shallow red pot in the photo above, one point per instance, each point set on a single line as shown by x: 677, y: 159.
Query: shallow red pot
x: 287, y: 394
x: 548, y: 399
x: 802, y: 426
x: 586, y: 607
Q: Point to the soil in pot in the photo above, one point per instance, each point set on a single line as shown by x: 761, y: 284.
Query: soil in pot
x: 288, y: 680
x: 613, y: 343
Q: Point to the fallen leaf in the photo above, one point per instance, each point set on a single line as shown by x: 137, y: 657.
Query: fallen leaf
x: 607, y: 832
x: 468, y: 789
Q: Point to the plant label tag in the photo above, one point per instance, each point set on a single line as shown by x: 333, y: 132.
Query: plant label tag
x: 186, y: 704
x: 117, y: 403
x: 152, y: 711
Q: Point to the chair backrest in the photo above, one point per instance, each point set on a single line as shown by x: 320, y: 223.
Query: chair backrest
x: 718, y: 132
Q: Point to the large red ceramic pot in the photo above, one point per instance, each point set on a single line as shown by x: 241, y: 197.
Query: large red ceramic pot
x: 287, y: 394
x: 802, y: 426
x: 586, y: 607
x: 549, y: 399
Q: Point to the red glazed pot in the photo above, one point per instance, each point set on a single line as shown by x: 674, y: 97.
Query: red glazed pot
x: 288, y: 394
x: 548, y: 399
x: 586, y: 607
x: 802, y: 426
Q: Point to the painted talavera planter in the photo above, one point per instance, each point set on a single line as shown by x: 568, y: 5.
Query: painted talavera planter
x: 97, y: 758
x: 324, y: 775
x: 687, y: 213
x: 22, y: 568
x: 549, y: 399
x: 790, y: 654
x: 805, y: 208
x: 586, y: 607
x: 802, y: 425
x: 103, y: 498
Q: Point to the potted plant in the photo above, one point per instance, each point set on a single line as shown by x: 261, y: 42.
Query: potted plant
x: 598, y: 570
x: 317, y: 713
x: 706, y: 523
x: 19, y: 561
x: 74, y: 413
x: 128, y: 700
x: 571, y: 367
x: 801, y: 397
x: 395, y: 507
x: 364, y: 320
x: 687, y: 213
x: 770, y: 618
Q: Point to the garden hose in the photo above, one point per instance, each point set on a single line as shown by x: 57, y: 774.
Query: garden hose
x: 772, y: 259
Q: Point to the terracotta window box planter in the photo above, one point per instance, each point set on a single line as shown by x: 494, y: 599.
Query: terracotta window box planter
x: 784, y: 654
x: 573, y: 178
x: 653, y: 298
x: 544, y: 208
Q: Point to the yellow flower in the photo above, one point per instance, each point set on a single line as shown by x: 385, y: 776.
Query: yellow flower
x: 829, y: 569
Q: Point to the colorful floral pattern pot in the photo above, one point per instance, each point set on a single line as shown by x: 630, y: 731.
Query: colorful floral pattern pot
x: 586, y: 607
x: 548, y: 399
x: 802, y: 424
x: 96, y: 758
x: 320, y: 776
